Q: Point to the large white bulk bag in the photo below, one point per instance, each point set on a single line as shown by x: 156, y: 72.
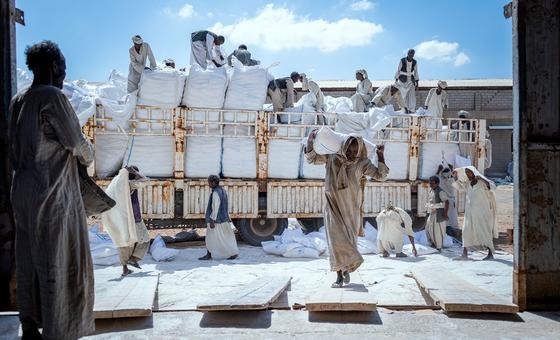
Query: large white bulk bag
x: 311, y: 171
x: 239, y: 159
x: 396, y: 158
x: 205, y: 88
x: 247, y: 88
x: 153, y: 155
x: 284, y: 158
x: 161, y: 88
x: 109, y: 154
x: 203, y: 156
x: 434, y: 154
x: 327, y: 141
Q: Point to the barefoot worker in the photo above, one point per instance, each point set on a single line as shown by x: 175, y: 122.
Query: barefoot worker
x: 343, y: 193
x: 480, y: 225
x: 220, y: 239
x: 124, y: 222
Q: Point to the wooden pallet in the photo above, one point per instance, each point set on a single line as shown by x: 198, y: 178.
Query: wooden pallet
x: 259, y: 294
x: 454, y: 294
x: 131, y: 296
x: 354, y: 297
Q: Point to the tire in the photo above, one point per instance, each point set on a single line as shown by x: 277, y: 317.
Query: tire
x: 370, y: 220
x: 311, y: 224
x: 256, y: 230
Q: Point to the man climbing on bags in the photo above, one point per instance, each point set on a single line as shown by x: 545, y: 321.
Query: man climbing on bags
x: 205, y: 46
x: 138, y: 55
x: 220, y: 239
x: 281, y: 91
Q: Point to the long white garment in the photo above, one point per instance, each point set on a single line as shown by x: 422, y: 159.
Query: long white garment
x: 119, y: 221
x: 408, y: 92
x: 436, y: 102
x: 435, y: 231
x: 137, y: 64
x: 446, y: 183
x: 383, y: 97
x: 314, y: 89
x: 204, y: 51
x: 480, y: 223
x: 363, y: 96
x: 390, y: 232
x: 220, y: 240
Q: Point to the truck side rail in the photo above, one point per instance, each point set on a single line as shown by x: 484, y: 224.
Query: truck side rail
x: 144, y: 121
x: 219, y: 122
x: 296, y: 125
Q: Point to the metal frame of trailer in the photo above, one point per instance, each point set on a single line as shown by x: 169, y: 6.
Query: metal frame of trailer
x: 262, y: 198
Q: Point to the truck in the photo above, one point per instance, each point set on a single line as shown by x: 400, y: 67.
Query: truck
x: 260, y: 206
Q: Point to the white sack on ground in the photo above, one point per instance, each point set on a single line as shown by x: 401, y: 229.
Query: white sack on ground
x: 239, y: 158
x: 162, y: 88
x: 103, y: 251
x: 434, y: 154
x: 247, y: 87
x: 153, y: 155
x: 160, y: 252
x: 293, y: 243
x: 205, y: 88
x: 284, y: 158
x: 109, y: 154
x: 203, y: 156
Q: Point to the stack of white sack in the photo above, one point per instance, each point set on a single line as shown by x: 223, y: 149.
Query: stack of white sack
x: 328, y: 142
x: 153, y: 155
x: 433, y: 154
x: 160, y: 252
x: 284, y: 158
x: 204, y: 89
x: 110, y: 151
x: 161, y: 88
x: 293, y: 243
x: 247, y: 88
x: 304, y: 104
x: 239, y: 158
x: 103, y: 251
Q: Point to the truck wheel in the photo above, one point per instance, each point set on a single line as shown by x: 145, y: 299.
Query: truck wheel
x: 311, y: 224
x: 256, y: 230
x: 371, y: 221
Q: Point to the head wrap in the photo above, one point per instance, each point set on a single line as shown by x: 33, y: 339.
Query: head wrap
x: 137, y: 39
x: 362, y: 72
x: 442, y: 84
x: 343, y: 162
x: 467, y: 114
x: 304, y: 82
x: 462, y: 176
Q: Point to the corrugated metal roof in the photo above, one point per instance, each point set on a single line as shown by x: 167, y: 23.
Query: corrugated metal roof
x: 344, y: 84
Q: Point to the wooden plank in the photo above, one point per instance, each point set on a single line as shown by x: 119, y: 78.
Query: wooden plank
x: 256, y: 295
x: 454, y: 294
x: 132, y: 296
x: 282, y: 303
x: 352, y: 297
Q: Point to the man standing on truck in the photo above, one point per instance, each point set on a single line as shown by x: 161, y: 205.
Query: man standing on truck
x: 220, y: 239
x: 243, y: 55
x: 54, y: 271
x: 343, y: 192
x: 314, y: 89
x: 407, y: 80
x: 438, y: 208
x: 281, y: 91
x: 364, y: 92
x: 436, y: 100
x: 138, y: 55
x: 384, y: 94
x: 205, y: 46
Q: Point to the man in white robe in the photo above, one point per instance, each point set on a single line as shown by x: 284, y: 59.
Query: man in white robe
x: 220, y: 239
x: 124, y: 222
x: 438, y: 207
x: 205, y: 46
x: 385, y: 94
x: 480, y: 225
x: 314, y: 89
x: 390, y: 231
x: 407, y: 80
x: 436, y: 100
x: 446, y: 183
x: 364, y: 92
x: 138, y: 55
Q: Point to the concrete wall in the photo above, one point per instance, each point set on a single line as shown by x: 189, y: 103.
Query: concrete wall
x: 491, y: 103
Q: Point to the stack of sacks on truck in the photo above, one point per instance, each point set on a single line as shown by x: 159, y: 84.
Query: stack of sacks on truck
x: 433, y: 153
x: 285, y: 152
x: 153, y: 148
x: 204, y: 89
x: 246, y: 91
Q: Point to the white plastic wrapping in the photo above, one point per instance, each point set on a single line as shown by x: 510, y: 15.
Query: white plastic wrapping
x: 160, y: 252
